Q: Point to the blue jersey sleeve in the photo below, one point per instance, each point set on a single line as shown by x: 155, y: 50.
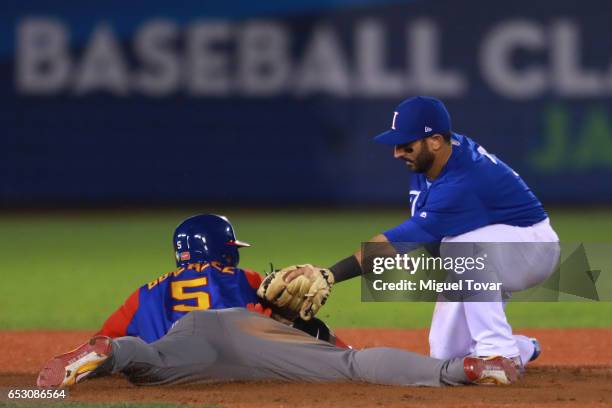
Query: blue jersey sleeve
x: 409, y: 231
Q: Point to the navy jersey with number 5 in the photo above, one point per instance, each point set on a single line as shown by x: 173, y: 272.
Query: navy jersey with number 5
x: 473, y: 190
x: 153, y: 308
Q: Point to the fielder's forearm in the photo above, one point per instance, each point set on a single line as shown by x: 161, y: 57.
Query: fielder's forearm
x: 351, y: 267
x: 346, y: 269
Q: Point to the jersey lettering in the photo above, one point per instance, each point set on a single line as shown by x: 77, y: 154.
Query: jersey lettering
x: 414, y: 196
x: 484, y: 152
x: 178, y: 293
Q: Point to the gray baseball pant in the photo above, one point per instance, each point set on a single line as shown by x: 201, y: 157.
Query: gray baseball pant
x: 235, y: 344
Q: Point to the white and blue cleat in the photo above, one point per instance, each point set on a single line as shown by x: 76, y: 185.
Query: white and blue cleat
x: 537, y: 349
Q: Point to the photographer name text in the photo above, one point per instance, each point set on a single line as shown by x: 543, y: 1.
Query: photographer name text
x: 435, y: 286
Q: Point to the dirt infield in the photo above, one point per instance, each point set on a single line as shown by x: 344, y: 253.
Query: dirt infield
x: 575, y: 370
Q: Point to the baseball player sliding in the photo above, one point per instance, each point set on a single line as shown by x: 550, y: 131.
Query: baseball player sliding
x: 460, y: 193
x: 207, y: 277
x: 261, y: 343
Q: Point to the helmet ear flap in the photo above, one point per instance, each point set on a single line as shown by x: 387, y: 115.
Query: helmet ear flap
x: 231, y: 255
x: 182, y: 246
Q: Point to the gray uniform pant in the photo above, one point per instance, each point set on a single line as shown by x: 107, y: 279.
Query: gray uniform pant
x: 235, y: 344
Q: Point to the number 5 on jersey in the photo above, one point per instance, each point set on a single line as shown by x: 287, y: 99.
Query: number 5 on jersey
x: 202, y: 299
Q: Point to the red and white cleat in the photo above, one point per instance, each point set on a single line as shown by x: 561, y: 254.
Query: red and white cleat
x: 495, y: 370
x: 75, y: 366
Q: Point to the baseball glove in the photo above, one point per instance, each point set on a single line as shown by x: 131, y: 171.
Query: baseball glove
x: 304, y: 295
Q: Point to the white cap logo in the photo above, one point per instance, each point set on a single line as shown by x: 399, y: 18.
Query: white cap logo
x: 394, y: 117
x: 427, y: 129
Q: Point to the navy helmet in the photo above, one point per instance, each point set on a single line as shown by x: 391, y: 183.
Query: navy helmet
x: 206, y: 238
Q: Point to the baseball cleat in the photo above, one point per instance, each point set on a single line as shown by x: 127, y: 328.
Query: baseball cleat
x: 537, y: 349
x: 75, y: 366
x: 495, y: 370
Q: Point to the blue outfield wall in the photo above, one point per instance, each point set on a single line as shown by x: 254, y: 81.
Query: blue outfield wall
x: 252, y: 104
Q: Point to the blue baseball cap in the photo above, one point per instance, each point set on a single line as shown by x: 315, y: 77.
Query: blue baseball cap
x: 414, y: 119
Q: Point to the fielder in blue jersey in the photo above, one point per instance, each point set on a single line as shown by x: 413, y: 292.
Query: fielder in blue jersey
x: 462, y: 193
x: 472, y: 190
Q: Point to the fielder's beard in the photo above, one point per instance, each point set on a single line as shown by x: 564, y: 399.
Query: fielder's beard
x: 423, y: 161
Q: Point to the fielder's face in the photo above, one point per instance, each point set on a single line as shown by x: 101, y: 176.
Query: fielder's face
x: 416, y: 155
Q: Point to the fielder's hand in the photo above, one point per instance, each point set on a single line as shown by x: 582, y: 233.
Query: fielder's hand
x: 303, y: 294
